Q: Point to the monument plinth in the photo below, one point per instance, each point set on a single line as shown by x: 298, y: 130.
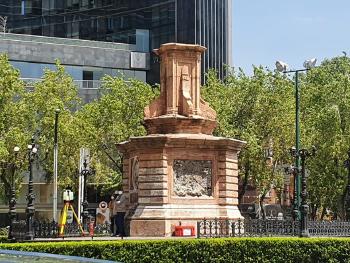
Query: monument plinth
x: 179, y: 172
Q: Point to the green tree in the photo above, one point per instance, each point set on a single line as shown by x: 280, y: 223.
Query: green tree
x: 325, y: 102
x: 13, y: 123
x: 259, y: 110
x: 113, y: 118
x: 56, y: 90
x: 99, y: 125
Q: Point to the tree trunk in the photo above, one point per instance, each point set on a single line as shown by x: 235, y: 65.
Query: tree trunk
x: 243, y: 189
x: 261, y: 203
x: 6, y: 184
x: 343, y: 200
x: 314, y: 208
x: 323, y: 213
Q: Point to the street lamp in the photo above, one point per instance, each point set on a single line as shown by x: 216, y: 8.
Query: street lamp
x: 347, y: 204
x: 85, y: 172
x: 303, y: 154
x: 55, y: 166
x: 32, y: 151
x: 283, y: 67
x: 12, y: 202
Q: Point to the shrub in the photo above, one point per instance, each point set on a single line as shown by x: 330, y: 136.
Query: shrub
x: 3, y: 239
x: 202, y: 250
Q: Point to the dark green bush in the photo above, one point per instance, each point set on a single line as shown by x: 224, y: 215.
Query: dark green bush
x: 3, y: 239
x: 202, y: 250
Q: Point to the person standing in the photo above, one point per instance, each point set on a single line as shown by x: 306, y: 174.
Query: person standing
x: 120, y: 210
x: 112, y: 215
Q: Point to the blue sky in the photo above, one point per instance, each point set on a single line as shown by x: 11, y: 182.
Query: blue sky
x: 292, y: 31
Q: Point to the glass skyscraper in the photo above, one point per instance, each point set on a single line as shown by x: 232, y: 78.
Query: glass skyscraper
x: 145, y: 23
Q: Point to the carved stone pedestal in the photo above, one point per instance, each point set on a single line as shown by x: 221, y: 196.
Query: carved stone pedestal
x: 181, y: 178
x: 179, y: 173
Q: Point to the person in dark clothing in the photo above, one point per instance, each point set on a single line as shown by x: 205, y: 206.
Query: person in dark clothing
x: 119, y: 210
x: 111, y: 215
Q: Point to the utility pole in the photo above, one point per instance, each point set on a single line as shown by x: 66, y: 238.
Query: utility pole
x: 282, y: 67
x: 55, y: 166
x: 84, y: 155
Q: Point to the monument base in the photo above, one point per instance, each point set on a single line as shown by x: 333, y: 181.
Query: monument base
x: 160, y: 221
x: 179, y: 173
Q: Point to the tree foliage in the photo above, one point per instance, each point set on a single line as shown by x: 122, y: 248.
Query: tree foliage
x: 56, y: 90
x: 27, y: 113
x: 325, y: 102
x: 259, y: 110
x: 113, y: 118
x: 13, y: 121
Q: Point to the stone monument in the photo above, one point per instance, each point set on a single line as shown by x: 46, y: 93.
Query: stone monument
x: 179, y: 173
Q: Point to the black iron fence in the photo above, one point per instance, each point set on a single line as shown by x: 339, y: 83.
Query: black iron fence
x: 207, y: 228
x: 19, y: 229
x: 329, y: 228
x: 47, y: 229
x: 51, y: 230
x: 242, y: 228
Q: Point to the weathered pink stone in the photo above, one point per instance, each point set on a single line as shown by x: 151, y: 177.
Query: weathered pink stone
x: 179, y: 125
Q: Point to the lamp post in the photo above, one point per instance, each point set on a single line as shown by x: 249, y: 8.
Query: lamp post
x: 304, y: 208
x: 85, y: 172
x: 283, y: 67
x: 347, y: 204
x: 55, y: 166
x: 12, y: 202
x: 32, y: 150
x: 295, y: 194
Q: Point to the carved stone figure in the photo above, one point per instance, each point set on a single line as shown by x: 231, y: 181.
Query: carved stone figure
x: 185, y: 93
x: 134, y: 174
x: 192, y: 178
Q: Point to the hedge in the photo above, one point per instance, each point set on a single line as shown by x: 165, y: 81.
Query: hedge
x: 4, y: 239
x: 202, y: 250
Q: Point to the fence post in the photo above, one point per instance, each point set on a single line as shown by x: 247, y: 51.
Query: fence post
x: 227, y: 227
x: 239, y: 227
x: 233, y: 227
x: 205, y: 227
x: 198, y: 229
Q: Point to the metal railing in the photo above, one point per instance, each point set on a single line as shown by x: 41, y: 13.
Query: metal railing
x: 329, y: 228
x: 264, y: 228
x: 19, y: 230
x: 47, y: 229
x: 246, y: 228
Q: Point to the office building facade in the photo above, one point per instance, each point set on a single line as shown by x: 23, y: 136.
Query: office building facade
x: 146, y: 24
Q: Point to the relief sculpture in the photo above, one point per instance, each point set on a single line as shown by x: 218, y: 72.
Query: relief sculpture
x: 134, y: 174
x: 187, y: 105
x: 192, y: 178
